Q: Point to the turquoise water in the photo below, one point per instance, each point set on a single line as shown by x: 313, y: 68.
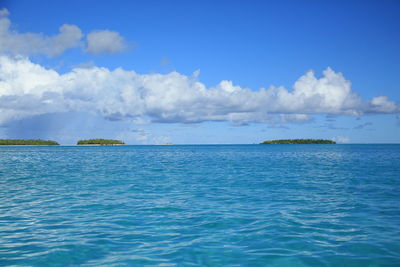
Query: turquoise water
x: 232, y: 205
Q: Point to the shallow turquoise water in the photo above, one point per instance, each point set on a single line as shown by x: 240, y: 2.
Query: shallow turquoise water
x: 234, y: 205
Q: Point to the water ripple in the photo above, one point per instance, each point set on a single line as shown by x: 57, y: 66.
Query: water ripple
x: 283, y: 205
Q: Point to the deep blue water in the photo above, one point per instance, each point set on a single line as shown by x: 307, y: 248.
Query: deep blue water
x: 222, y: 205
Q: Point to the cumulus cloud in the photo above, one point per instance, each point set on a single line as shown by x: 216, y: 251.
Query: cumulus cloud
x: 381, y: 104
x: 28, y: 89
x: 100, y: 42
x: 69, y: 36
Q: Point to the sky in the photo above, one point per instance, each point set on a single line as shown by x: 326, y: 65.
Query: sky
x: 200, y: 72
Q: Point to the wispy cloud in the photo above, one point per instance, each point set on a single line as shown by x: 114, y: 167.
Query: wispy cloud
x: 332, y: 126
x: 28, y: 89
x: 398, y: 119
x: 330, y: 118
x: 141, y: 135
x: 165, y: 61
x: 278, y: 126
x: 363, y: 125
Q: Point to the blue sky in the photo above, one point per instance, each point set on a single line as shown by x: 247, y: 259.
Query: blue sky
x: 200, y: 71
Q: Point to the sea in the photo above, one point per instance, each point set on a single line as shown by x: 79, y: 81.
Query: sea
x: 200, y: 205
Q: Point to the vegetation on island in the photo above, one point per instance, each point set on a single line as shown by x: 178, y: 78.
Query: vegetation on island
x: 30, y: 142
x: 299, y: 141
x: 100, y: 142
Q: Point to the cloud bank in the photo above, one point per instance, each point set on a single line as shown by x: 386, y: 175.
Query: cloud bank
x: 69, y: 36
x: 28, y: 89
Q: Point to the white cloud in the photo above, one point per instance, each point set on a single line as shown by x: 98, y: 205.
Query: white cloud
x: 34, y: 43
x: 381, y: 104
x: 28, y: 89
x: 69, y: 36
x: 99, y: 42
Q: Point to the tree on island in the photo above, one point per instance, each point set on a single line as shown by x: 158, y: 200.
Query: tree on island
x: 299, y: 141
x: 100, y: 141
x: 30, y: 142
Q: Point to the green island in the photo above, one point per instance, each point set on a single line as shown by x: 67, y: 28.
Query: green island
x: 100, y: 142
x: 298, y: 141
x: 30, y: 142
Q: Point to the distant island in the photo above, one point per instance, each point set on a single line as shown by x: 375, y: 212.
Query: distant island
x: 100, y: 142
x: 298, y: 141
x: 30, y: 142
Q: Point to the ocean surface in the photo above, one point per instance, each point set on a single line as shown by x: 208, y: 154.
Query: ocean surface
x: 216, y: 205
